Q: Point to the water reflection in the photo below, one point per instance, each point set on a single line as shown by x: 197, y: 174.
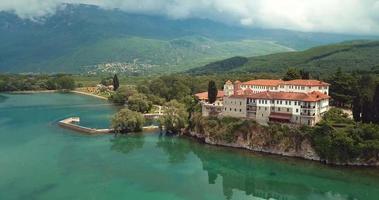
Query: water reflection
x: 270, y: 178
x: 175, y: 149
x: 127, y: 143
x: 257, y: 176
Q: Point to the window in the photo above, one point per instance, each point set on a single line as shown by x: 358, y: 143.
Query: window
x: 288, y: 109
x: 265, y: 108
x: 240, y: 110
x: 297, y: 110
x: 278, y: 109
x: 235, y: 109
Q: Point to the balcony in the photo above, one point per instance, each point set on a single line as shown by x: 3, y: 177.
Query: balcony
x: 308, y: 107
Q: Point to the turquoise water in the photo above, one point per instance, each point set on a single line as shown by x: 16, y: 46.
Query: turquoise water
x: 39, y: 160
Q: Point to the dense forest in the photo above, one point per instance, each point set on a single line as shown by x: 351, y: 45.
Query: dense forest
x: 15, y: 82
x: 350, y: 56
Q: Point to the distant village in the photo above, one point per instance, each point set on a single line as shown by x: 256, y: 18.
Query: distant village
x: 301, y: 102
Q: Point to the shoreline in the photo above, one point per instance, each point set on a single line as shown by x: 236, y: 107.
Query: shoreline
x: 56, y: 91
x: 88, y: 94
x: 317, y: 159
x: 32, y: 91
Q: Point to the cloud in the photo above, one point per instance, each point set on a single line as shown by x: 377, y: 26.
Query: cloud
x: 337, y: 16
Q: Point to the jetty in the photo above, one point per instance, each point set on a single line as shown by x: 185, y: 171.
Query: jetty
x: 71, y: 123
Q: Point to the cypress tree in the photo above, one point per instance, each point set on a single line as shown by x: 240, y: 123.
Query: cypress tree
x: 367, y: 109
x: 357, y: 108
x: 116, y: 83
x: 376, y: 104
x: 305, y: 75
x: 212, y: 92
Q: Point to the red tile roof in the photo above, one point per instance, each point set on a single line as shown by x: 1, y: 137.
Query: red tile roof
x: 300, y: 82
x: 204, y: 95
x: 306, y: 82
x: 295, y: 96
x: 263, y: 82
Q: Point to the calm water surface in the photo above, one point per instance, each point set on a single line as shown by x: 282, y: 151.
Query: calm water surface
x: 39, y: 160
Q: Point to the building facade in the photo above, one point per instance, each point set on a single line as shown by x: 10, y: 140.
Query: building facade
x: 300, y: 102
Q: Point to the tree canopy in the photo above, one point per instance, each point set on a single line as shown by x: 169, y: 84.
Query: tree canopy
x: 127, y: 121
x: 175, y: 117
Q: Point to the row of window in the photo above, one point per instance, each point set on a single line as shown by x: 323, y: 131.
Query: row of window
x: 235, y: 109
x: 296, y: 87
x: 233, y: 102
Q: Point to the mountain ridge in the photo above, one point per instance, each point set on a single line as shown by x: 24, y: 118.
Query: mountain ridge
x: 73, y: 38
x: 349, y: 56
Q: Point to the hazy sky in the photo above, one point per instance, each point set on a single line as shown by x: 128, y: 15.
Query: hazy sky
x: 339, y: 16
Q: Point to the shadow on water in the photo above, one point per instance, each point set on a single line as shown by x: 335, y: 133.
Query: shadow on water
x: 127, y: 143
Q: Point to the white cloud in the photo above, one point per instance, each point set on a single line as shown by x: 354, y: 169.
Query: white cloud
x: 340, y: 16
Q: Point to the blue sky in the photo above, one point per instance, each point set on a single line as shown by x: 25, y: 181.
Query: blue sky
x: 332, y: 16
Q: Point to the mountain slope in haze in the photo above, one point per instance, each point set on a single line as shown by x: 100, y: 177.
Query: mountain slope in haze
x: 141, y: 55
x: 354, y: 55
x: 86, y: 38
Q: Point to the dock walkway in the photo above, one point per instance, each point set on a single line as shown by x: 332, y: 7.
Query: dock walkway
x: 70, y: 123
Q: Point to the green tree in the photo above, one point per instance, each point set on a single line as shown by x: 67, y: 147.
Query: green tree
x: 342, y: 88
x: 127, y: 121
x: 107, y: 81
x: 357, y: 108
x: 175, y: 117
x: 116, y: 83
x: 212, y: 92
x: 65, y: 83
x: 376, y: 104
x: 292, y: 74
x: 367, y: 109
x: 139, y: 103
x: 305, y: 75
x: 118, y: 98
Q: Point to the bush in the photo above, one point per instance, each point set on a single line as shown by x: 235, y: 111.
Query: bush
x: 127, y: 121
x: 65, y: 83
x: 118, y: 98
x: 139, y: 103
x: 175, y: 117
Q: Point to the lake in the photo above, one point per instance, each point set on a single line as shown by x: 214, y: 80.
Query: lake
x: 39, y: 160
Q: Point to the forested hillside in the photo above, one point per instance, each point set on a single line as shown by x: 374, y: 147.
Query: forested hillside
x: 349, y: 56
